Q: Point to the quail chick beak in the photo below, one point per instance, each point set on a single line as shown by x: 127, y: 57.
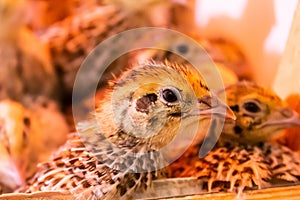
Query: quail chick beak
x: 282, y: 118
x: 12, y: 176
x: 211, y: 105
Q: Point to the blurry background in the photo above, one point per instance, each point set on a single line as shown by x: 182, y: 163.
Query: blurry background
x: 260, y: 28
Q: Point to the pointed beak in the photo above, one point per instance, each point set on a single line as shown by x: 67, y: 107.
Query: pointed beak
x: 283, y: 118
x: 11, y: 174
x: 211, y: 105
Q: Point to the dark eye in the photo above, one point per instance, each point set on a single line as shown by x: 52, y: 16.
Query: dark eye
x: 170, y: 95
x: 182, y: 48
x: 251, y: 107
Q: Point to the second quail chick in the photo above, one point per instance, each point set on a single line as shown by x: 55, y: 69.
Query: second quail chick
x: 42, y: 14
x: 14, y: 148
x: 157, y: 13
x: 27, y: 138
x: 177, y: 48
x: 229, y: 54
x: 243, y: 157
x: 121, y: 150
x: 73, y: 39
x: 49, y: 119
x: 260, y: 114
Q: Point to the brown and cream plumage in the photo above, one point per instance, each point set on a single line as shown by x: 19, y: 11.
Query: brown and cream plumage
x: 244, y: 156
x: 121, y: 150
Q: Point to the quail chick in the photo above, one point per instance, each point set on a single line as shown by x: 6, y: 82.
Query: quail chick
x: 157, y: 13
x: 49, y: 119
x: 229, y: 54
x: 243, y: 157
x: 178, y: 49
x: 27, y: 138
x: 121, y: 150
x: 260, y: 114
x: 73, y: 39
x: 26, y: 67
x: 42, y: 14
x: 14, y: 149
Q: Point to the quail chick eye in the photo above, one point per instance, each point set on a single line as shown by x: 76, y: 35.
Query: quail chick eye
x: 170, y: 95
x: 252, y: 107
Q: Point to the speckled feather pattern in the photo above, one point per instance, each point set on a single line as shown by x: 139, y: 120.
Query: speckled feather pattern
x: 110, y: 160
x: 73, y: 168
x: 239, y: 168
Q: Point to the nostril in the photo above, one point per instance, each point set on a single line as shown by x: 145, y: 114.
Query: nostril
x: 182, y: 48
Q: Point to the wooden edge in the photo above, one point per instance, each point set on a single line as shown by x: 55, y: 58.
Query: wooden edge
x: 37, y: 196
x: 176, y: 189
x: 287, y: 79
x: 190, y: 188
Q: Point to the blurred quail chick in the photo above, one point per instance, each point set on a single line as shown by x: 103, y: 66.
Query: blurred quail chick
x: 15, y: 144
x: 27, y: 136
x: 181, y: 50
x: 73, y: 39
x: 25, y: 65
x: 159, y: 13
x: 226, y: 55
x: 42, y: 14
x: 119, y: 151
x: 229, y: 54
x: 243, y: 157
x: 52, y: 132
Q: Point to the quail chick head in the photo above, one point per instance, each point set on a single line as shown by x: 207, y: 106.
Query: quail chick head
x: 243, y: 157
x: 14, y: 151
x: 260, y: 114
